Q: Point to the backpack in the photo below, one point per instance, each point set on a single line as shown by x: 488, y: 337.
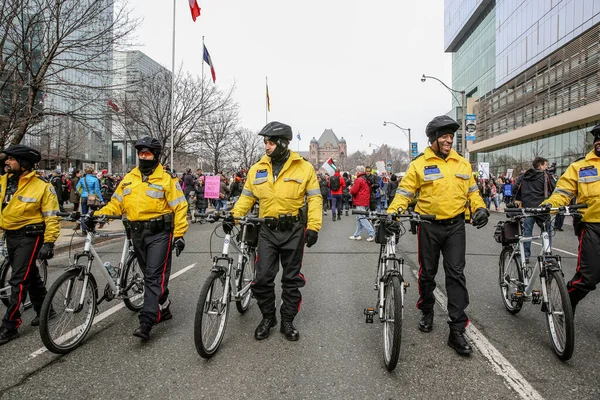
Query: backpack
x: 334, y: 183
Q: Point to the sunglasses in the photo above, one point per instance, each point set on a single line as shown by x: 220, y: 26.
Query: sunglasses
x: 144, y: 153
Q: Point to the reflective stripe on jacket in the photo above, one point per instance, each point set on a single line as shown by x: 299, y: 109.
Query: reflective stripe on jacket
x: 444, y: 186
x: 285, y: 195
x: 581, y: 179
x: 142, y: 201
x: 34, y: 202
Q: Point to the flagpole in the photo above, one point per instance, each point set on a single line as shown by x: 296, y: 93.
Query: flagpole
x: 173, y: 86
x: 267, y: 102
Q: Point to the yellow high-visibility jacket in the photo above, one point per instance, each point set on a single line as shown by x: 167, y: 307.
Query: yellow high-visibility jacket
x: 285, y: 195
x: 142, y: 201
x: 581, y: 179
x: 34, y: 202
x: 444, y: 186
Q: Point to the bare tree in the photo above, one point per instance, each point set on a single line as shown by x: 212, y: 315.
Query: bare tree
x: 219, y: 134
x: 145, y: 109
x: 55, y: 60
x: 247, y: 148
x: 355, y: 159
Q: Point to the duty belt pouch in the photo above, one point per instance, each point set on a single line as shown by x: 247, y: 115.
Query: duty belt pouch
x: 34, y: 229
x: 169, y: 221
x: 303, y: 214
x: 285, y: 222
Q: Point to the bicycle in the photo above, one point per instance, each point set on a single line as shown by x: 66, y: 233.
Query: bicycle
x: 516, y: 275
x: 6, y: 272
x: 229, y: 280
x: 72, y: 301
x: 390, y: 284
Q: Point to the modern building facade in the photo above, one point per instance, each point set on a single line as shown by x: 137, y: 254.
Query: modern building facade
x: 328, y: 145
x: 541, y: 93
x: 131, y: 69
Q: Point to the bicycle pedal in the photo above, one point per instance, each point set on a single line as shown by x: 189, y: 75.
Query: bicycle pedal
x: 536, y: 297
x: 369, y: 312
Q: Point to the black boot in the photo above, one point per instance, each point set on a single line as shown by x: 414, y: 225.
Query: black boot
x: 143, y: 331
x: 291, y: 333
x: 458, y: 342
x: 262, y: 330
x: 6, y: 335
x: 339, y: 216
x: 426, y: 322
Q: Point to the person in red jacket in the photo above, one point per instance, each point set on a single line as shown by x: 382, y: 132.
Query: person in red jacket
x: 361, y: 198
x: 336, y: 184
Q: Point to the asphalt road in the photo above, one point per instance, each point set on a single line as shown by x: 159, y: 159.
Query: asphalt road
x: 338, y: 354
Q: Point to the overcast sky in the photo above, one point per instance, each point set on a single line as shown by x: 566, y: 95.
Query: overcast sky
x: 331, y: 64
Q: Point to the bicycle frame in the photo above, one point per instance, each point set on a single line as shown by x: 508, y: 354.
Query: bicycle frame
x: 387, y: 253
x: 231, y: 285
x: 92, y: 255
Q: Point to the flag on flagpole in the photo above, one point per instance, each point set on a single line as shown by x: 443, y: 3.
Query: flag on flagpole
x: 208, y: 60
x: 268, y: 99
x: 329, y: 166
x: 195, y: 9
x: 298, y: 136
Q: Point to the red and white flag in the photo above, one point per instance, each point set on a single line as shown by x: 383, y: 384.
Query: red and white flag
x: 329, y: 166
x: 195, y: 9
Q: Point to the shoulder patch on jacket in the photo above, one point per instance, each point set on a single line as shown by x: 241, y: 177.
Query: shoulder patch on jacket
x: 178, y: 186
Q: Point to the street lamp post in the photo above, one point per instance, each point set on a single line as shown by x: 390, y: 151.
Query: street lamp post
x: 403, y: 130
x: 463, y: 141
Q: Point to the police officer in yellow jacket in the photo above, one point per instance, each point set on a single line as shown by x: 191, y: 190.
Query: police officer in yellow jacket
x: 157, y: 216
x: 29, y: 219
x: 444, y: 181
x: 280, y: 181
x: 581, y: 180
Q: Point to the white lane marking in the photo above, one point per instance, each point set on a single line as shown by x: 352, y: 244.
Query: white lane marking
x: 499, y: 363
x: 554, y: 248
x: 108, y: 312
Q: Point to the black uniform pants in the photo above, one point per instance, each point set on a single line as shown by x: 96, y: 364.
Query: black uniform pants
x: 450, y: 240
x: 275, y: 246
x: 22, y: 255
x: 153, y: 251
x: 587, y: 274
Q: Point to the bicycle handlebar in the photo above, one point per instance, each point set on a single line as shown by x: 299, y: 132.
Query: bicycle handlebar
x: 413, y: 215
x: 212, y: 218
x: 534, y: 211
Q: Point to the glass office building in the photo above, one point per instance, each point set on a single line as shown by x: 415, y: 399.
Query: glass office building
x: 546, y: 75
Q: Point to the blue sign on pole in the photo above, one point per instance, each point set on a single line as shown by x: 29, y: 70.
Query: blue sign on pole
x: 468, y: 137
x: 414, y: 149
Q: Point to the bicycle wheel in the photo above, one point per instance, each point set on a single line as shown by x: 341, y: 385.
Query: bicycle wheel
x: 133, y: 284
x: 510, y: 279
x: 212, y: 312
x: 246, y: 276
x: 559, y: 316
x: 64, y: 320
x: 5, y: 290
x: 6, y: 269
x: 392, y: 322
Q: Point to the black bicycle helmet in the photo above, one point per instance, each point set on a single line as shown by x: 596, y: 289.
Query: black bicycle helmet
x: 439, y: 126
x: 21, y: 152
x: 276, y: 130
x: 148, y: 143
x: 596, y: 132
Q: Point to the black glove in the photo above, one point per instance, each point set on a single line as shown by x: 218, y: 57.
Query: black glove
x: 228, y: 223
x: 179, y: 244
x: 46, y: 252
x: 547, y: 206
x: 480, y: 218
x: 311, y: 237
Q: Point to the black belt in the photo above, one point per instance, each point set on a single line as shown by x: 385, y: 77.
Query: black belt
x: 283, y: 222
x: 162, y: 223
x: 450, y: 221
x: 30, y: 230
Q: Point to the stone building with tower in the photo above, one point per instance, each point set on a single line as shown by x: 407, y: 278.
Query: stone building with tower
x: 328, y: 145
